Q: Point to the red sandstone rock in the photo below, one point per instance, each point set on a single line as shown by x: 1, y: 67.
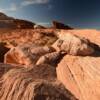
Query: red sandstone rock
x: 73, y: 45
x: 50, y: 58
x: 19, y: 55
x: 80, y: 75
x: 31, y: 87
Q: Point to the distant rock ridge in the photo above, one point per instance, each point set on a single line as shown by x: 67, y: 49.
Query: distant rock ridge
x: 10, y: 22
x: 59, y: 25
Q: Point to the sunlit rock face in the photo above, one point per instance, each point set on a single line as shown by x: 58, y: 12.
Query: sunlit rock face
x: 48, y: 64
x: 73, y: 45
x: 80, y: 75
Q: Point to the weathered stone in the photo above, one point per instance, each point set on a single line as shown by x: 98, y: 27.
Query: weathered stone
x: 81, y: 76
x: 58, y: 25
x: 21, y: 84
x: 50, y: 58
x: 73, y: 45
x: 19, y: 55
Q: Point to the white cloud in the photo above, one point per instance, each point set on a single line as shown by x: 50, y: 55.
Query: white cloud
x: 31, y: 2
x: 13, y: 7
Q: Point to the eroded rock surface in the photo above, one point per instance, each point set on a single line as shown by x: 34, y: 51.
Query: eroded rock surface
x: 80, y: 75
x: 73, y: 45
x: 19, y: 55
x: 50, y: 58
x: 29, y: 87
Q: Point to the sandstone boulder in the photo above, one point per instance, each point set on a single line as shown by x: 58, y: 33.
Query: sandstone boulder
x: 41, y: 50
x: 81, y: 76
x: 20, y: 84
x: 19, y: 55
x: 73, y: 45
x: 50, y: 58
x: 58, y: 25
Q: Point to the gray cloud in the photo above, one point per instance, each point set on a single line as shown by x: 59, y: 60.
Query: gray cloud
x: 31, y: 2
x: 13, y: 7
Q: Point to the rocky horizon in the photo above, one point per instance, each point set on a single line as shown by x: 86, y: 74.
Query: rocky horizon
x: 48, y: 63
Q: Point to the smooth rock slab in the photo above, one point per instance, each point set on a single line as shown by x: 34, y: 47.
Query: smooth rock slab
x: 81, y: 76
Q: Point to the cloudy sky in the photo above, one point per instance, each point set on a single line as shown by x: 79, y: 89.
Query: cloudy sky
x: 77, y: 13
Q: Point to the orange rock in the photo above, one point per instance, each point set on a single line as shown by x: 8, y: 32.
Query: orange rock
x: 37, y: 83
x: 19, y: 55
x: 73, y: 45
x: 81, y: 76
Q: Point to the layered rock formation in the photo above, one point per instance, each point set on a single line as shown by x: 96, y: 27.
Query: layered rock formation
x: 49, y: 64
x: 73, y: 45
x: 12, y: 23
x: 59, y: 25
x: 30, y: 85
x: 80, y: 75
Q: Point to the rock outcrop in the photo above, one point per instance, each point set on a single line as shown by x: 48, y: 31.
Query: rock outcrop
x: 58, y: 25
x: 12, y: 23
x: 19, y: 55
x: 50, y: 58
x: 23, y: 24
x: 41, y: 50
x: 26, y: 54
x: 73, y: 45
x: 80, y: 75
x: 29, y: 87
x: 6, y: 67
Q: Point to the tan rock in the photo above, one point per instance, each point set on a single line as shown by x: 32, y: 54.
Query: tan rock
x: 21, y: 84
x: 19, y: 55
x: 6, y: 67
x: 80, y: 75
x: 41, y: 50
x: 73, y: 45
x: 50, y: 58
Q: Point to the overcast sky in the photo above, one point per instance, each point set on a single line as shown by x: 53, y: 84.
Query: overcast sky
x: 76, y: 13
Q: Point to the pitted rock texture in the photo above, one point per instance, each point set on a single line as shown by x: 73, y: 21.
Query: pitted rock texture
x: 30, y: 88
x: 19, y: 55
x: 73, y: 45
x: 50, y: 58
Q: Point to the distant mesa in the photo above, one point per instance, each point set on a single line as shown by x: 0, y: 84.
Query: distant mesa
x: 10, y: 22
x: 23, y: 23
x: 59, y: 25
